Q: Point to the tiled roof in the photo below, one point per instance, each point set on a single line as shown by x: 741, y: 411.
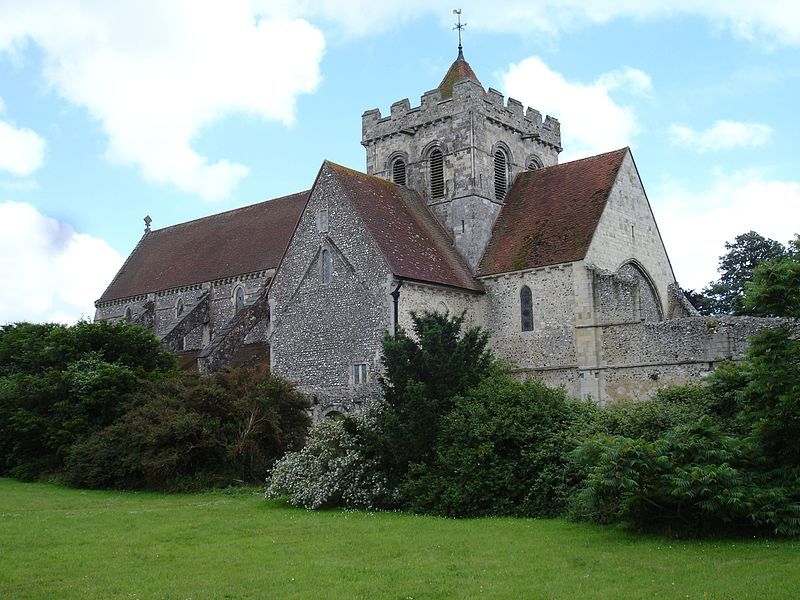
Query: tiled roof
x: 550, y: 214
x: 459, y: 70
x: 244, y: 240
x: 408, y: 235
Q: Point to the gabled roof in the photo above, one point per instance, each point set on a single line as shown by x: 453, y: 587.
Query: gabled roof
x: 244, y: 240
x: 550, y: 214
x: 408, y: 235
x: 459, y: 70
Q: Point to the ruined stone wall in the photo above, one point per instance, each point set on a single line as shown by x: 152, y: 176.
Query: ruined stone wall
x: 637, y: 359
x: 627, y: 231
x: 626, y: 296
x: 319, y: 330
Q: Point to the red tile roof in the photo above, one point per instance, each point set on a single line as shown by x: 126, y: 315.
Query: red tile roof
x: 244, y: 240
x: 550, y: 214
x: 409, y: 236
x: 459, y: 70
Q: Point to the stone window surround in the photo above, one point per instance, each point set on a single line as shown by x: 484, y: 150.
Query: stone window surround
x: 502, y: 147
x: 235, y: 298
x: 525, y: 302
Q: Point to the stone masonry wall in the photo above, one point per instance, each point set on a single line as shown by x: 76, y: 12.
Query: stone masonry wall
x: 548, y: 352
x: 467, y: 128
x: 627, y: 230
x: 319, y: 331
x: 419, y: 298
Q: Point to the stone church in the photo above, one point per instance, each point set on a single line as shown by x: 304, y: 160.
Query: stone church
x: 463, y: 208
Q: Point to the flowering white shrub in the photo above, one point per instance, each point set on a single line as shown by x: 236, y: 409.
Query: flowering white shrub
x: 330, y: 470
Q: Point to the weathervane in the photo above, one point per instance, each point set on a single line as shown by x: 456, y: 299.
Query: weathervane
x: 459, y: 26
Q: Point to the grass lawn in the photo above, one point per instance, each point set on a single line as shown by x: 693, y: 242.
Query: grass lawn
x: 62, y: 543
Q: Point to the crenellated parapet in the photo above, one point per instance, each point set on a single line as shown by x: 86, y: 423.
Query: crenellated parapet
x: 468, y: 95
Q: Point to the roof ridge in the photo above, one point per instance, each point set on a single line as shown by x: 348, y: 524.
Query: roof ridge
x: 228, y: 212
x: 585, y: 158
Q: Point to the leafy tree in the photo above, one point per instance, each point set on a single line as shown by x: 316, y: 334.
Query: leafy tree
x: 775, y: 288
x: 736, y: 268
x: 424, y: 372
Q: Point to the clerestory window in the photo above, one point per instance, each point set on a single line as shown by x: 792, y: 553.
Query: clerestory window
x: 526, y: 308
x: 179, y: 307
x: 238, y: 299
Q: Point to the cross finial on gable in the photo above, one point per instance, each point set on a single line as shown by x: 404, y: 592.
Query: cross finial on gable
x: 459, y: 26
x: 147, y: 221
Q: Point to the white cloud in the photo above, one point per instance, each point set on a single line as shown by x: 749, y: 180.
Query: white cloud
x: 21, y: 149
x: 593, y: 121
x: 49, y: 271
x: 154, y: 74
x: 773, y: 21
x: 695, y: 224
x: 721, y: 136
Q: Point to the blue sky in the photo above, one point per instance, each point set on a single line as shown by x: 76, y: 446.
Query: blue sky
x: 111, y: 111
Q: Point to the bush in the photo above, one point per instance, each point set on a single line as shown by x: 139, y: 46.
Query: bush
x: 504, y: 449
x: 190, y: 432
x: 694, y: 479
x: 331, y: 470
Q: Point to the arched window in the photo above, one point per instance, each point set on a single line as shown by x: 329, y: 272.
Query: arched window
x: 238, y: 299
x: 128, y: 314
x: 326, y: 265
x: 500, y: 174
x: 179, y: 307
x: 533, y: 163
x: 399, y: 171
x: 436, y: 165
x: 526, y: 308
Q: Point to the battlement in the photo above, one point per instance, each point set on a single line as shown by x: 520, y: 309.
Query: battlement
x: 467, y: 95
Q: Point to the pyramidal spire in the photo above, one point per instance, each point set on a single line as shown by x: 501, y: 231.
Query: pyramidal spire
x: 460, y: 68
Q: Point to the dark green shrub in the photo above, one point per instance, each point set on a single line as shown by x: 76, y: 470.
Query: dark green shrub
x: 190, y: 432
x: 503, y: 449
x: 423, y: 375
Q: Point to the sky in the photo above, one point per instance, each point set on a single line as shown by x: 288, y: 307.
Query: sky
x: 110, y: 111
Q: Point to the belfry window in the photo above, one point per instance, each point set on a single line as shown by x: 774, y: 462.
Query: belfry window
x: 436, y: 162
x: 326, y: 265
x: 533, y: 163
x: 500, y: 174
x: 399, y: 171
x: 238, y: 299
x: 526, y: 308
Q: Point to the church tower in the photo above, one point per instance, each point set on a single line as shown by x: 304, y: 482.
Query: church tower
x: 460, y: 149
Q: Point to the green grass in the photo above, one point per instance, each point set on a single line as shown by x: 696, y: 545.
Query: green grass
x: 62, y: 543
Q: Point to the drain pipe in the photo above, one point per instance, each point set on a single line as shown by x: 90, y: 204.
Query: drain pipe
x: 396, y: 297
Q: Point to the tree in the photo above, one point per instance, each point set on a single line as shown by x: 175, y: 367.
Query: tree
x: 423, y: 375
x: 736, y: 268
x: 775, y: 288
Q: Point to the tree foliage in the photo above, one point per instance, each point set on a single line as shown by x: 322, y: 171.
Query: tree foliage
x: 423, y: 373
x: 736, y: 267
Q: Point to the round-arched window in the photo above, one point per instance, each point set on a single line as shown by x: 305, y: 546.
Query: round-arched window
x: 238, y: 299
x: 399, y: 171
x: 179, y: 307
x: 128, y: 314
x: 533, y: 163
x: 500, y: 174
x: 526, y: 308
x: 436, y: 166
